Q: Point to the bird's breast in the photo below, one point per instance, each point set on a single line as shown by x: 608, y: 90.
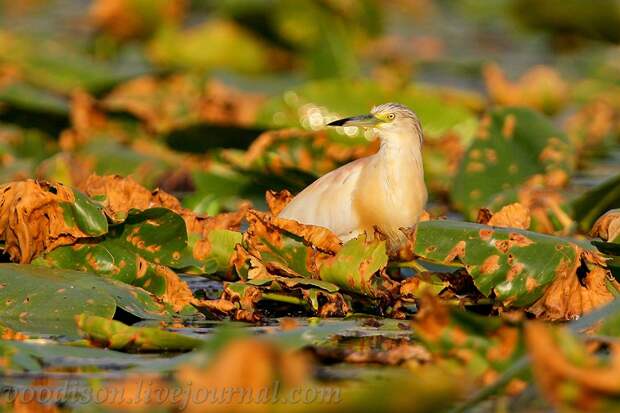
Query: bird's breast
x: 391, y: 194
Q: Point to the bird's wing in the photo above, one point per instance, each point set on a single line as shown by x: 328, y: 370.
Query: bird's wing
x: 328, y: 201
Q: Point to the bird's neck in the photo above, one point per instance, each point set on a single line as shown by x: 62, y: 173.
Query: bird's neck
x: 401, y: 150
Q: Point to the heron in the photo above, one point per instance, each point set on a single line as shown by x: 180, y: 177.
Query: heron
x: 383, y: 192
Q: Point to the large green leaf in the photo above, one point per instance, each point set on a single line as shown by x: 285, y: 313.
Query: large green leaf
x: 516, y: 265
x: 45, y: 301
x: 132, y: 250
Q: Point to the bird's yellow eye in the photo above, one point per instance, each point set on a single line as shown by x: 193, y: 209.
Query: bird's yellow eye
x: 390, y: 116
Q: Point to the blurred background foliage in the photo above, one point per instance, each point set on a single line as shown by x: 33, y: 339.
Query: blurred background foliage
x: 176, y: 92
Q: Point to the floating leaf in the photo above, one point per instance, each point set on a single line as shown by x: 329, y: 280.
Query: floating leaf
x: 118, y: 336
x: 34, y: 100
x: 44, y: 301
x: 20, y: 357
x: 210, y: 238
x: 607, y: 227
x: 141, y: 251
x: 315, y: 104
x: 555, y: 277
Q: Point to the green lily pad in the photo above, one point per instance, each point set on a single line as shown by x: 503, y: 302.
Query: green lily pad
x: 132, y: 250
x: 44, y: 301
x: 516, y: 265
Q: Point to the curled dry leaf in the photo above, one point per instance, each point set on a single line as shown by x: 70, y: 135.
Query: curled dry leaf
x: 540, y: 88
x: 607, y: 227
x: 225, y: 105
x: 318, y: 237
x: 121, y: 194
x: 545, y: 206
x: 591, y: 382
x: 37, y: 216
x: 510, y: 216
x: 276, y: 201
x: 579, y: 287
x: 244, y: 297
x: 177, y: 293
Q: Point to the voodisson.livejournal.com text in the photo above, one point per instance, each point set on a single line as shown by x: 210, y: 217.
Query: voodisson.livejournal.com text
x: 148, y: 392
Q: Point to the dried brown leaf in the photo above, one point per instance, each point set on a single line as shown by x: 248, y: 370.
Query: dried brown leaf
x: 607, y: 227
x: 511, y: 216
x: 544, y: 203
x: 32, y: 219
x: 88, y: 120
x: 591, y: 125
x: 578, y: 288
x: 177, y: 292
x: 318, y: 237
x: 276, y: 201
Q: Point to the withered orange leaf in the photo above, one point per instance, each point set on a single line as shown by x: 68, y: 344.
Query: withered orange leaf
x: 33, y: 218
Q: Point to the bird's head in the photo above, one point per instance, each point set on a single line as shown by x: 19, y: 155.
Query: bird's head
x: 390, y: 119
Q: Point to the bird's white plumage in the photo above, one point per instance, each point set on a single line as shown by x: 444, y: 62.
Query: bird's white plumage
x: 315, y: 204
x: 385, y: 191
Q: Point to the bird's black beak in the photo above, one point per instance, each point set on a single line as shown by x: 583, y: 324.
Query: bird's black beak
x: 363, y: 120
